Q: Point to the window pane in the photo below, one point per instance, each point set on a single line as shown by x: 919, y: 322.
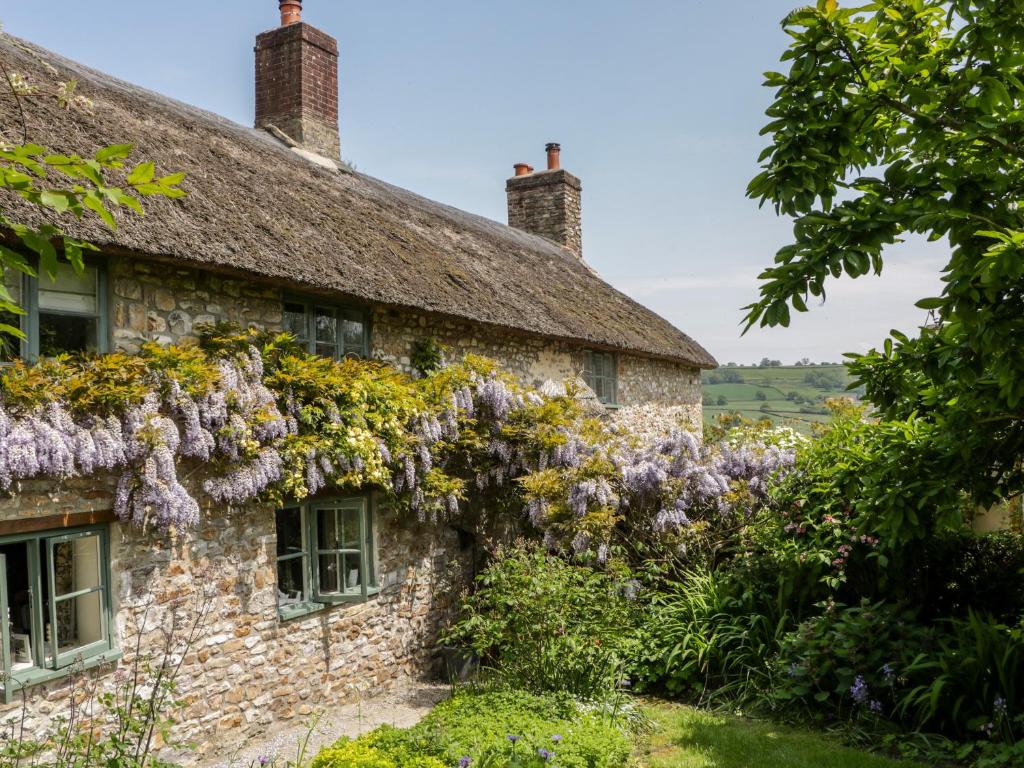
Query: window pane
x: 76, y: 565
x: 353, y: 333
x: 330, y: 567
x: 327, y: 529
x: 326, y: 325
x: 70, y: 292
x: 294, y: 321
x: 19, y: 605
x: 79, y: 621
x: 350, y: 531
x: 353, y: 572
x: 326, y: 332
x: 67, y: 333
x: 289, y: 532
x: 291, y: 581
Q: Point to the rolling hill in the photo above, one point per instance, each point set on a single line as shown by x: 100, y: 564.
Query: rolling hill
x: 793, y: 395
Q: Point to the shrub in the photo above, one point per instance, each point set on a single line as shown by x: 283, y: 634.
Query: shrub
x: 710, y: 634
x: 972, y: 684
x: 548, y: 625
x: 495, y: 728
x: 351, y: 754
x: 955, y: 573
x: 848, y: 661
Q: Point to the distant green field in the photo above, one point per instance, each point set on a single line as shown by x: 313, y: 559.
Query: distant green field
x: 788, y: 395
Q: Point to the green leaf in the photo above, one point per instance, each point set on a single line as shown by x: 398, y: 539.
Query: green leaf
x: 59, y: 201
x: 113, y: 152
x: 142, y: 174
x: 94, y: 202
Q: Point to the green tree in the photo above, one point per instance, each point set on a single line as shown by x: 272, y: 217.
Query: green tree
x: 906, y: 117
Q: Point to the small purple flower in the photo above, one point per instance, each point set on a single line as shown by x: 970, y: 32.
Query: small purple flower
x: 513, y: 739
x: 464, y: 761
x: 859, y: 690
x: 875, y: 706
x: 556, y: 738
x: 544, y: 754
x: 999, y: 707
x: 263, y: 759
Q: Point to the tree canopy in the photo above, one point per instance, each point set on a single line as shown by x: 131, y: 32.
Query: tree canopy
x: 906, y: 117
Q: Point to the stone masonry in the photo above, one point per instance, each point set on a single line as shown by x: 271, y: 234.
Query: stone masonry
x: 248, y: 669
x: 548, y: 203
x: 151, y: 301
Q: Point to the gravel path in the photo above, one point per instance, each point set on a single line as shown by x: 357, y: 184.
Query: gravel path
x: 402, y: 708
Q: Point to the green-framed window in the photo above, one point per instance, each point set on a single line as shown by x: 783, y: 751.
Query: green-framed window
x: 68, y: 314
x: 325, y: 554
x: 55, y: 594
x: 601, y: 372
x: 328, y: 329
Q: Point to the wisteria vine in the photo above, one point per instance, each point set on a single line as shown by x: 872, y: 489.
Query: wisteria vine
x: 256, y: 419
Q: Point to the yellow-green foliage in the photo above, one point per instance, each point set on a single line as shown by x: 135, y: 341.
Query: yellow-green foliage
x: 366, y: 752
x: 351, y: 754
x: 344, y: 410
x: 95, y: 386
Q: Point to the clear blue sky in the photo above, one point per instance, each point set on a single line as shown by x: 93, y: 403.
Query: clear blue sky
x: 657, y: 104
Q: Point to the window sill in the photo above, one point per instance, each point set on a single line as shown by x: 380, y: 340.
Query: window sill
x: 39, y: 676
x: 299, y: 610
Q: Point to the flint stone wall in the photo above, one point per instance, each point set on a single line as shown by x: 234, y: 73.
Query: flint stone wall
x: 248, y: 670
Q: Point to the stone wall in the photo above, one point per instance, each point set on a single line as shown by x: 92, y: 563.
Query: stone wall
x: 159, y: 302
x: 533, y: 360
x: 247, y: 669
x: 153, y: 301
x: 660, y: 382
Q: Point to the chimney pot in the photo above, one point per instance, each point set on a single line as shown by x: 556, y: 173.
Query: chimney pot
x: 291, y: 12
x: 554, y: 151
x: 523, y: 169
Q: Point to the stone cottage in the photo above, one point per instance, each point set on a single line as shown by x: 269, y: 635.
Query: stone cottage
x: 276, y: 232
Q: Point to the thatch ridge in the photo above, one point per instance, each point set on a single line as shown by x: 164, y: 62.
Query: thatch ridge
x: 254, y: 205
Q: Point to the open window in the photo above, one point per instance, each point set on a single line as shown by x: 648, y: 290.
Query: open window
x: 54, y: 593
x: 325, y: 554
x: 66, y: 314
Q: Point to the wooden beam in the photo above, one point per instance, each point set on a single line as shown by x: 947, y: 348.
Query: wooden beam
x: 51, y: 522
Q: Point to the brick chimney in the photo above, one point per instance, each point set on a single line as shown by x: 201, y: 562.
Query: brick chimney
x: 547, y: 203
x: 297, y: 82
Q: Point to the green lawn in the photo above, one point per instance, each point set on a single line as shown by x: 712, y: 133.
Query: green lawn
x: 690, y: 738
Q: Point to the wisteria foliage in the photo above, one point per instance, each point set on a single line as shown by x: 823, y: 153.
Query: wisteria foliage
x: 261, y: 421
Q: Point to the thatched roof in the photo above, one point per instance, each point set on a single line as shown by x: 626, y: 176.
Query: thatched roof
x: 254, y: 205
